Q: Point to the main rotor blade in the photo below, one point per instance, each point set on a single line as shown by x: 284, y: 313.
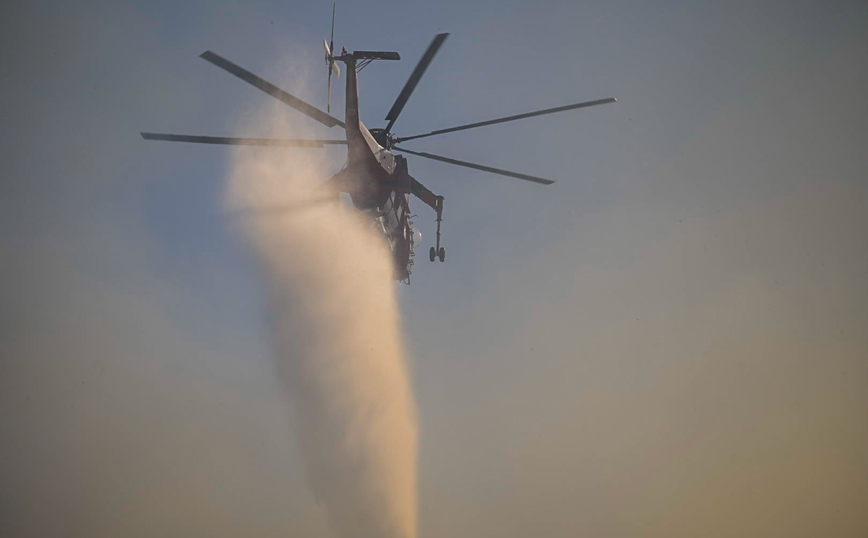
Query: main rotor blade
x: 235, y: 141
x: 414, y: 79
x: 271, y: 89
x: 509, y: 118
x: 507, y: 173
x: 329, y: 105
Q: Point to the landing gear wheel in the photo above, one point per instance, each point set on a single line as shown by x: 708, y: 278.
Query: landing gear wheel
x: 432, y: 254
x: 442, y: 254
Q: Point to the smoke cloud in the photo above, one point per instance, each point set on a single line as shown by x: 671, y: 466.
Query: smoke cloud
x: 336, y: 331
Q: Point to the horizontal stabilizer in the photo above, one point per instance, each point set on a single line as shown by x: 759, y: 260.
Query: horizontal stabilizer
x: 375, y: 55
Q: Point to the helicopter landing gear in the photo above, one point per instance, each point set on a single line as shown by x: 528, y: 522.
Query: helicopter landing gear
x: 438, y: 251
x: 437, y: 254
x: 434, y: 202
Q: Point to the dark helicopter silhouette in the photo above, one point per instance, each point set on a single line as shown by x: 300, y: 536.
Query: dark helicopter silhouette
x: 377, y: 180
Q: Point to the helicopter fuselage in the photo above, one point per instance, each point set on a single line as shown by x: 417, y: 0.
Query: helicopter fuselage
x: 376, y: 179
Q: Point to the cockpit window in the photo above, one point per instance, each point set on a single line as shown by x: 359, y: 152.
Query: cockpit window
x: 380, y: 136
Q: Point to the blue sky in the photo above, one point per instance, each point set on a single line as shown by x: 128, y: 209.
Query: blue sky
x: 669, y: 340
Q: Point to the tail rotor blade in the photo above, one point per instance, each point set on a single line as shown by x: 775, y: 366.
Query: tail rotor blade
x: 329, y: 105
x: 332, y: 38
x: 330, y: 61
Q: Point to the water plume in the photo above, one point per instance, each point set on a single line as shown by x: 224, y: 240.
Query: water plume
x: 336, y: 330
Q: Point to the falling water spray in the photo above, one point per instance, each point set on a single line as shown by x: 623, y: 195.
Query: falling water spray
x: 336, y: 331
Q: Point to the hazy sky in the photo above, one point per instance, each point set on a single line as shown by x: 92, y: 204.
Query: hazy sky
x: 672, y: 340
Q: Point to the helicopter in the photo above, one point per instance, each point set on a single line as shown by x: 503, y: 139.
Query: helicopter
x: 375, y: 177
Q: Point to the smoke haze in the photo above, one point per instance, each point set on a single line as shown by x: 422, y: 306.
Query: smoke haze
x: 671, y: 341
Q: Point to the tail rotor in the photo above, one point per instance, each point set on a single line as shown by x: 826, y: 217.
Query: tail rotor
x: 330, y: 60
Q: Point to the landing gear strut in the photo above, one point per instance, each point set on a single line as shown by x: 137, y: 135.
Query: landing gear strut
x: 431, y: 200
x: 438, y: 251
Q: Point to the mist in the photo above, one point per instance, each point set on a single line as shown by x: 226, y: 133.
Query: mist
x: 336, y: 331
